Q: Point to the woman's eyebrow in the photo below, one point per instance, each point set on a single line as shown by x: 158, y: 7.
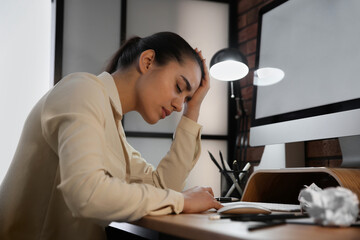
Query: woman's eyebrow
x: 188, y: 86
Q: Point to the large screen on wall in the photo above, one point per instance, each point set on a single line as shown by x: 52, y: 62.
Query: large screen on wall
x: 317, y: 45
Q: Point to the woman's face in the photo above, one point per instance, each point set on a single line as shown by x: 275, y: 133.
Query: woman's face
x: 164, y: 89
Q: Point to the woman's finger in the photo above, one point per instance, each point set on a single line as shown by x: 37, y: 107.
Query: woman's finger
x: 209, y: 189
x: 217, y: 205
x: 206, y: 71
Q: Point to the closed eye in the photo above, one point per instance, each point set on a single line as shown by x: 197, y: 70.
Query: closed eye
x: 178, y: 88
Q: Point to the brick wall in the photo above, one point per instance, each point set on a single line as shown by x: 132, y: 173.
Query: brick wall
x: 324, y: 153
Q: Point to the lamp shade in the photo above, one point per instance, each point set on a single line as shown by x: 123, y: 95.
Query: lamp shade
x: 228, y: 64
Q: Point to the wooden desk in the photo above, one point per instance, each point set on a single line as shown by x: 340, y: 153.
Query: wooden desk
x: 279, y: 186
x: 198, y: 226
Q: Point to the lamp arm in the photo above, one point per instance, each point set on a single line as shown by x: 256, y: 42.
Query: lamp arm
x: 242, y: 138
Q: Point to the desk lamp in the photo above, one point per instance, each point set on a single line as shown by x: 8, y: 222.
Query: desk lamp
x: 230, y: 64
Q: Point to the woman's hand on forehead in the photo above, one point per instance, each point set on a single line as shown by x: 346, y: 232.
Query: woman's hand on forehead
x: 192, y: 107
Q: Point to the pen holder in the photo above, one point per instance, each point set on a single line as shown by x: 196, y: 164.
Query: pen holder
x: 228, y: 188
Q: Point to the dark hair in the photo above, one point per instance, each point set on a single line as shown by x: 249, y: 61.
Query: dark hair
x: 167, y: 46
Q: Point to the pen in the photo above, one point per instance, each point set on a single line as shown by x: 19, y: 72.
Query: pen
x: 236, y: 166
x: 245, y: 169
x: 214, y: 161
x: 222, y: 160
x: 237, y: 170
x: 223, y: 172
x: 227, y: 199
x: 266, y: 225
x: 218, y: 216
x: 270, y: 217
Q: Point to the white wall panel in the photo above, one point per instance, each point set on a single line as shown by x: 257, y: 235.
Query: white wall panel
x: 25, y: 52
x: 151, y: 149
x: 91, y: 34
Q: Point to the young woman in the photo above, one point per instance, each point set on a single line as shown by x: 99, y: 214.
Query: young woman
x: 74, y: 172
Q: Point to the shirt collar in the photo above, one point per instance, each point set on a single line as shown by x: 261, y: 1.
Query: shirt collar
x: 111, y: 89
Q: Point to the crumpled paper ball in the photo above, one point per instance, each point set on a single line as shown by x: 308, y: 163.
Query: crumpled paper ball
x: 333, y: 206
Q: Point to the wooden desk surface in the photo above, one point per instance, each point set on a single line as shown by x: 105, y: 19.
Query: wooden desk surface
x: 198, y: 226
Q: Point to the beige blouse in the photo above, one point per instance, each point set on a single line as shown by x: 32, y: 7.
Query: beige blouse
x: 74, y: 172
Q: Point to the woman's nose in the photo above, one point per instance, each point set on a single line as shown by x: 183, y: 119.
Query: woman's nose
x: 178, y: 103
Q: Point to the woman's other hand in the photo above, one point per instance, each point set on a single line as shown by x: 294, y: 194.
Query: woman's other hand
x: 199, y: 199
x: 192, y: 107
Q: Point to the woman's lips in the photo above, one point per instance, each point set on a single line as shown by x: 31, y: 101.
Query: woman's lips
x: 165, y: 113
